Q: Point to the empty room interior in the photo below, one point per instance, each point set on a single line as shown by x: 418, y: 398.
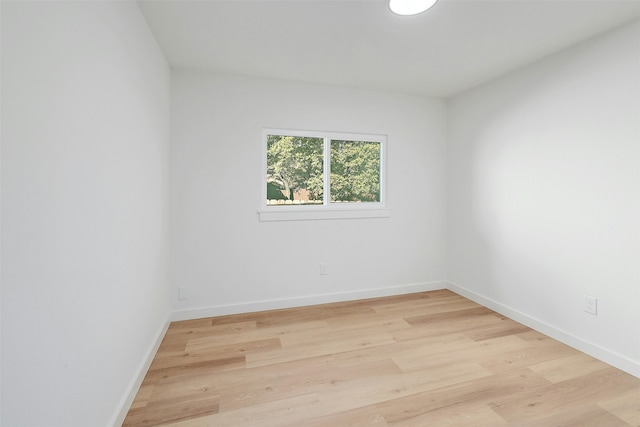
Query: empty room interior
x: 488, y: 273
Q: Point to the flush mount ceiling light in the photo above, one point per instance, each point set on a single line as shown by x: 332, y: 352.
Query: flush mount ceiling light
x: 410, y: 7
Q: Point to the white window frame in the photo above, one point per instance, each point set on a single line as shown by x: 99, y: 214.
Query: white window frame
x: 327, y: 210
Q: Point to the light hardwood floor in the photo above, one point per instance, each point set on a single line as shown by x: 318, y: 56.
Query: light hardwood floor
x: 426, y: 359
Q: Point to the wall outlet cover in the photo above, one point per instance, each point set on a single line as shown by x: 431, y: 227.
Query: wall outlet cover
x: 323, y: 268
x: 590, y: 305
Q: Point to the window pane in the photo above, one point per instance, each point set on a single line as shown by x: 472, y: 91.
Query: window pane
x: 355, y: 171
x: 294, y: 170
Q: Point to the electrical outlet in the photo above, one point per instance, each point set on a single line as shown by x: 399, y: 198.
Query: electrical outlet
x: 590, y: 305
x: 323, y: 268
x: 182, y: 294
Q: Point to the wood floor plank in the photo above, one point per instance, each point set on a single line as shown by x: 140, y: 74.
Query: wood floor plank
x: 284, y: 412
x: 458, y: 352
x: 316, y: 380
x: 625, y: 406
x: 205, y: 367
x: 216, y: 340
x: 157, y: 413
x: 339, y: 344
x: 425, y: 359
x: 473, y: 414
x: 569, y: 367
x: 579, y: 416
x: 504, y: 328
x: 378, y: 389
x: 365, y: 416
x: 565, y: 397
x: 203, y: 421
x: 537, y: 351
x: 143, y: 396
x: 444, y: 323
x: 171, y: 358
x: 465, y: 393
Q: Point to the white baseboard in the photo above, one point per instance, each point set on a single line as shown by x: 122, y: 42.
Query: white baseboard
x: 134, y: 386
x: 612, y: 358
x: 274, y: 304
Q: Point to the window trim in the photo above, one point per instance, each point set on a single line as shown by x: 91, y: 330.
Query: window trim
x: 327, y: 210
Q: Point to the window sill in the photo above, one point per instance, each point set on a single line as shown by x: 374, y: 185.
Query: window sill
x: 308, y: 215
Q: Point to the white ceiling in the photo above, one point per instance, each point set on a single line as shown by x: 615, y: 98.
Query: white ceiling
x: 452, y: 47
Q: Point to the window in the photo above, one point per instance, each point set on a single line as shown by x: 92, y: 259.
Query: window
x: 321, y: 175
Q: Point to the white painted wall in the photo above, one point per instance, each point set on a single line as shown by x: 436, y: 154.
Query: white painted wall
x: 231, y: 262
x: 544, y: 194
x: 85, y: 132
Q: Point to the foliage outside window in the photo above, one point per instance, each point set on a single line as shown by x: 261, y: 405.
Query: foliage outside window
x: 295, y: 170
x: 355, y: 171
x: 304, y: 169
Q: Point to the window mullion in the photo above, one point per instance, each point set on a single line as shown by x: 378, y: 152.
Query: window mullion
x: 327, y: 172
